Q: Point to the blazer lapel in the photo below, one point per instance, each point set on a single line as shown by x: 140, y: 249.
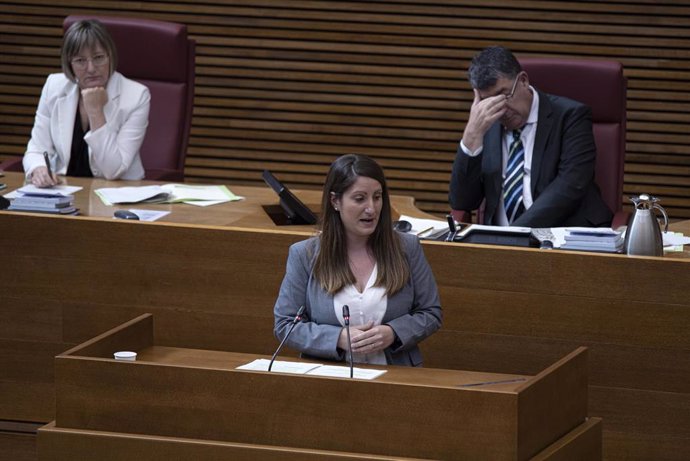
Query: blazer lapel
x: 544, y: 129
x: 67, y: 112
x: 113, y: 89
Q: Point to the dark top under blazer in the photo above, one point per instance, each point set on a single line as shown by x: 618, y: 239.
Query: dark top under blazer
x: 562, y: 177
x: 414, y: 312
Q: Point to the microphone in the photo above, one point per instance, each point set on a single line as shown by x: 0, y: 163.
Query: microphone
x: 297, y: 318
x: 452, y: 229
x: 346, y: 319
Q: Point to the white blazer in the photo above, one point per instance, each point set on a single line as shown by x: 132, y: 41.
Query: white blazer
x: 113, y: 148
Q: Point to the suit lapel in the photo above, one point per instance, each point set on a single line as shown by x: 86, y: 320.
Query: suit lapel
x: 493, y: 158
x: 544, y: 129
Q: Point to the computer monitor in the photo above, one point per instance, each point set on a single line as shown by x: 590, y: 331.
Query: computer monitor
x: 291, y: 210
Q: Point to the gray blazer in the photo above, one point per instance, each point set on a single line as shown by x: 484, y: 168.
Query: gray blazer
x: 414, y: 312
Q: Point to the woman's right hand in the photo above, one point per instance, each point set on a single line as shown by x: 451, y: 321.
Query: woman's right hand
x: 354, y: 331
x: 41, y: 178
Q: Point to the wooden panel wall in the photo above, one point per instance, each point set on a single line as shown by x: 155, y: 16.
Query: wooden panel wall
x: 290, y: 85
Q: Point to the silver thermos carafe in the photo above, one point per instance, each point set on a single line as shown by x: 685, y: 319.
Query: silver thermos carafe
x: 643, y: 236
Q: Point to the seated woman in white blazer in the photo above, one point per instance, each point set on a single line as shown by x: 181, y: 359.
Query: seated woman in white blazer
x: 90, y: 120
x: 358, y: 260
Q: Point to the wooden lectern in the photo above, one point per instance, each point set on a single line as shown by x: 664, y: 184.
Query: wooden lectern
x: 185, y: 403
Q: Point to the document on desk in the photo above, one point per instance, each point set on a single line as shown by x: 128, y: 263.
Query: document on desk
x: 314, y: 369
x: 60, y: 190
x: 168, y: 193
x: 497, y: 229
x: 344, y: 372
x: 280, y: 366
x: 424, y: 227
x: 200, y: 195
x: 674, y: 241
x: 149, y: 215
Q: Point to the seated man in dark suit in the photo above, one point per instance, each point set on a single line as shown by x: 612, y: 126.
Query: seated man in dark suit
x: 531, y: 155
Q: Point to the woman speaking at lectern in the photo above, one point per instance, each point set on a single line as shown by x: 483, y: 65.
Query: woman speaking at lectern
x: 90, y: 120
x: 358, y: 260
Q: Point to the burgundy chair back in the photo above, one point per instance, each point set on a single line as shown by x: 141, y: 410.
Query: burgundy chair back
x: 601, y: 86
x: 161, y: 56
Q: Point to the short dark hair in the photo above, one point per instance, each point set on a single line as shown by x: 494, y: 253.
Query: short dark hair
x: 490, y: 64
x: 331, y: 267
x: 86, y: 33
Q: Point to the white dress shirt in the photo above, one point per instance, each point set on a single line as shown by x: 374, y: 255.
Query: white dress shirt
x: 369, y: 305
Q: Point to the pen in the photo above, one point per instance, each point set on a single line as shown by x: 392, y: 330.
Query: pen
x: 486, y: 383
x: 50, y: 171
x: 420, y: 233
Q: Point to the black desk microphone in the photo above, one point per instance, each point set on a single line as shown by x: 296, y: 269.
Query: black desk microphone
x: 346, y: 319
x: 452, y: 229
x: 297, y: 318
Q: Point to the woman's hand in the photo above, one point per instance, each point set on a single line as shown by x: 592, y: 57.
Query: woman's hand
x: 95, y: 100
x: 368, y: 338
x: 41, y: 178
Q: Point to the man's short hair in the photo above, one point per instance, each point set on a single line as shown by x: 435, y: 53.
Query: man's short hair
x: 490, y: 64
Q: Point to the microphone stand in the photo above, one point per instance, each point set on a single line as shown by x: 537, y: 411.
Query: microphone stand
x: 346, y: 319
x: 297, y: 318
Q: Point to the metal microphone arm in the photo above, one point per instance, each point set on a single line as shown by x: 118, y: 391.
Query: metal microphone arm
x: 297, y: 318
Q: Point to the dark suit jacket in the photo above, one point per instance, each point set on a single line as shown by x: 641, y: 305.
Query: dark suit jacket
x: 563, y: 187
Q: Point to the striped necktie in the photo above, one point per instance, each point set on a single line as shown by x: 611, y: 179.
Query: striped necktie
x: 512, y: 185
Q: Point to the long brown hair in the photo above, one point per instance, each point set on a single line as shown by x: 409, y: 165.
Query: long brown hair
x: 332, y: 268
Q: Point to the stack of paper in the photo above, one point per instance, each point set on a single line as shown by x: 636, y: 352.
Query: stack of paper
x: 44, y: 203
x: 168, y: 193
x: 55, y: 200
x: 593, y: 239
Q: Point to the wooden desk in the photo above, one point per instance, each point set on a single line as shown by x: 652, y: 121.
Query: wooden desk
x: 247, y: 213
x: 199, y: 395
x: 513, y: 310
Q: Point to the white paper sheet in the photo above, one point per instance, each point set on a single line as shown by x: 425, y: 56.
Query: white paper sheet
x: 60, y: 189
x: 344, y: 372
x: 149, y: 215
x: 279, y: 366
x: 424, y: 227
x: 314, y: 369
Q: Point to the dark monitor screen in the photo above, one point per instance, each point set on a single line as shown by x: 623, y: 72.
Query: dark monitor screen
x: 293, y: 210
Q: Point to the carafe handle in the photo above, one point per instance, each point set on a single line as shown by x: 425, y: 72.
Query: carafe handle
x: 663, y: 212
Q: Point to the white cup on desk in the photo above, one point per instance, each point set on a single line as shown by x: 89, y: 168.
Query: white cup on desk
x: 125, y: 355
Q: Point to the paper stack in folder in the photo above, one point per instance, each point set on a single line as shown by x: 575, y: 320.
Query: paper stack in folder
x: 593, y: 239
x: 44, y: 203
x: 168, y: 193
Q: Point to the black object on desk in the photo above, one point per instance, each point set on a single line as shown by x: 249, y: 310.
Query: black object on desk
x: 485, y: 236
x: 291, y: 209
x: 402, y: 226
x: 125, y: 214
x: 490, y: 237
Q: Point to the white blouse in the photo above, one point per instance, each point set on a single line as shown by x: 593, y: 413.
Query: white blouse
x: 369, y: 305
